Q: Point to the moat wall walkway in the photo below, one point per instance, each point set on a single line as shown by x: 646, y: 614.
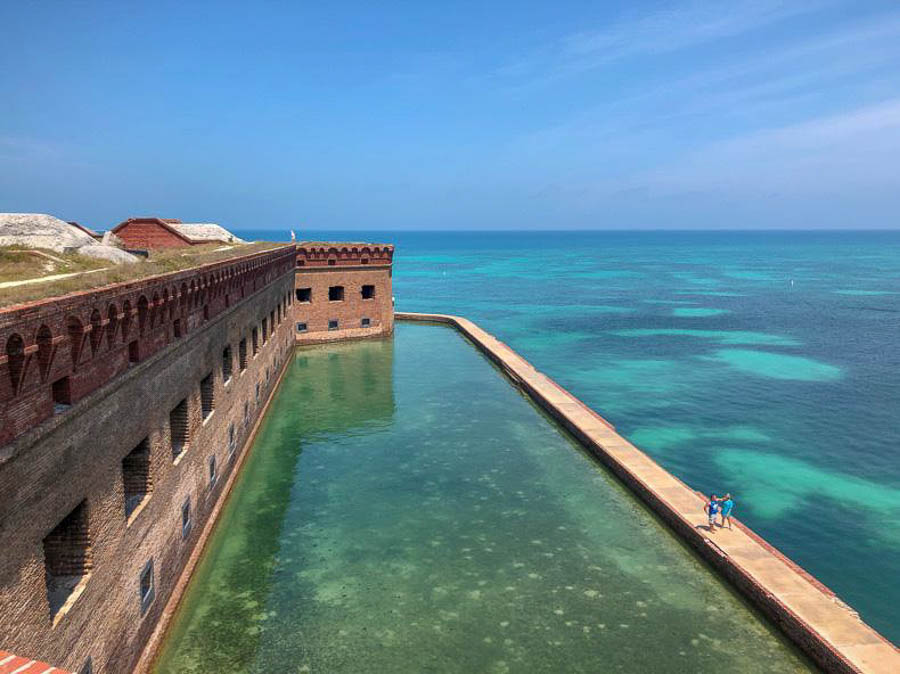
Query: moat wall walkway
x: 825, y: 628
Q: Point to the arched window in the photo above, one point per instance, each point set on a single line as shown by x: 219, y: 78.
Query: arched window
x: 15, y: 354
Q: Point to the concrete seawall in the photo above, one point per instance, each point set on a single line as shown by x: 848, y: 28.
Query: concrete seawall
x: 814, y: 618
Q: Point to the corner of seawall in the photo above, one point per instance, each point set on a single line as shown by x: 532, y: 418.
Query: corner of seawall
x: 825, y: 628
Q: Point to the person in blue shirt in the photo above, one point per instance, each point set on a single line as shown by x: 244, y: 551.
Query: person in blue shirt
x: 727, y: 506
x: 712, y: 509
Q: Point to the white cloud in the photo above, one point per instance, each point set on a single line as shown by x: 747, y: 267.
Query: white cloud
x: 853, y: 153
x: 679, y: 26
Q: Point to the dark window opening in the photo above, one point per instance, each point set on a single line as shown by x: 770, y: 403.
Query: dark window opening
x: 87, y: 667
x: 242, y: 354
x: 336, y: 293
x: 176, y: 325
x: 332, y: 325
x: 205, y: 312
x: 67, y: 556
x: 368, y: 292
x: 186, y: 518
x: 304, y: 294
x: 301, y: 327
x: 255, y: 339
x: 331, y: 263
x: 178, y: 428
x: 207, y: 396
x: 257, y: 393
x: 231, y: 439
x: 227, y: 362
x: 365, y: 260
x: 134, y: 353
x: 366, y: 322
x: 136, y: 476
x: 246, y: 413
x: 265, y: 330
x: 147, y: 588
x: 212, y: 471
x: 62, y: 394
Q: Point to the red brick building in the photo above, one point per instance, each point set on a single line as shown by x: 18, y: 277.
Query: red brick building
x: 140, y: 233
x: 343, y: 290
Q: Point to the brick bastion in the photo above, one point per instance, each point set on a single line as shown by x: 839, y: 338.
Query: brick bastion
x: 124, y: 412
x: 810, y: 614
x: 343, y: 291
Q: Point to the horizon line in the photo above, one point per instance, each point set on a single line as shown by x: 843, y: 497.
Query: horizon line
x: 640, y: 230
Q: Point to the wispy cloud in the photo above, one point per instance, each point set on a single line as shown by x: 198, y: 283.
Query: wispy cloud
x: 853, y: 153
x: 786, y: 83
x: 677, y: 27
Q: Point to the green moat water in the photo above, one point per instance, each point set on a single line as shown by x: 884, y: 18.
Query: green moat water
x: 405, y: 509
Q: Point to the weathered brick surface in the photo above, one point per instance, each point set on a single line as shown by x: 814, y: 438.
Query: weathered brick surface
x: 50, y: 463
x: 94, y: 336
x: 354, y: 267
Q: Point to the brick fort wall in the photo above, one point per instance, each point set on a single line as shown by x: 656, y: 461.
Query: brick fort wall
x: 102, y: 502
x: 343, y: 291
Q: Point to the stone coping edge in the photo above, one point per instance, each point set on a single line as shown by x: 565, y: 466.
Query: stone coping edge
x: 157, y: 637
x: 826, y: 629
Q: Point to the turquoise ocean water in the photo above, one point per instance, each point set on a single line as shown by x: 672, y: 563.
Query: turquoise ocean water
x: 767, y: 364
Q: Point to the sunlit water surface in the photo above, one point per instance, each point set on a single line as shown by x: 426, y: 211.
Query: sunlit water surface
x: 405, y: 509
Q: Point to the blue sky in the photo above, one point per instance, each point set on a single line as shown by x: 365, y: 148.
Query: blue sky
x: 423, y: 115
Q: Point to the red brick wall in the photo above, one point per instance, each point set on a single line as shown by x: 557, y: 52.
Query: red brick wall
x: 76, y: 456
x: 149, y: 234
x: 89, y: 336
x: 349, y: 271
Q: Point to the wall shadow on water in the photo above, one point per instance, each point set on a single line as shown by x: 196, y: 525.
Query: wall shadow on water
x: 325, y: 390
